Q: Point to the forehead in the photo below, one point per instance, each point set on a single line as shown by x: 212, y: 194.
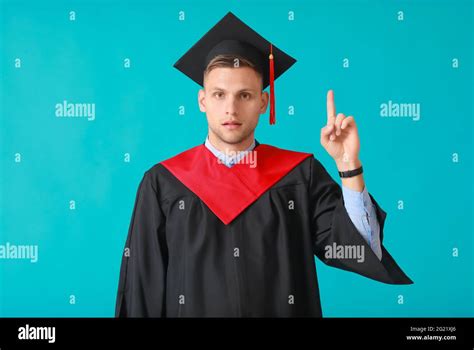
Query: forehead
x: 233, y: 78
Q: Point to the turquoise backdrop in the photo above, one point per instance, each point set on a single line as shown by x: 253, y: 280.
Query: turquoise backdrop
x: 68, y: 184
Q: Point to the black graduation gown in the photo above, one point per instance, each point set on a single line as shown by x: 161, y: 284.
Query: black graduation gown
x: 210, y: 241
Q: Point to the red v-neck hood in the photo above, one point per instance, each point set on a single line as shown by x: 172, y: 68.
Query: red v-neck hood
x: 229, y: 191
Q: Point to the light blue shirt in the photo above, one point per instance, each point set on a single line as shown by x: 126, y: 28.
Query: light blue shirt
x: 231, y: 160
x: 358, y: 205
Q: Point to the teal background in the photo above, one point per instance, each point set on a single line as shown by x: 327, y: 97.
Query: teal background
x: 67, y: 159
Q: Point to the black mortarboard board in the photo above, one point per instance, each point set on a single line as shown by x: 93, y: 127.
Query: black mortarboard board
x: 231, y: 36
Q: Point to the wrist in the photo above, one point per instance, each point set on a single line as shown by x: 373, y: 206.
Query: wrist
x: 346, y: 165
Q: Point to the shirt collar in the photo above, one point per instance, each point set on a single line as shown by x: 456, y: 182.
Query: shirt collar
x: 230, y: 160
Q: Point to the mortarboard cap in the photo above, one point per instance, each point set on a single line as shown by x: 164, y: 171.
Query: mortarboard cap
x: 231, y: 36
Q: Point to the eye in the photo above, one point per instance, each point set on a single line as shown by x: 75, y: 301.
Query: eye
x: 218, y: 94
x: 245, y: 95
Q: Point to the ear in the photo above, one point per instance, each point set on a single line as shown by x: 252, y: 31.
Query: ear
x: 202, y: 100
x: 264, y: 102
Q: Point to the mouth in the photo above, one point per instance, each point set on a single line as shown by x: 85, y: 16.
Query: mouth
x: 231, y: 125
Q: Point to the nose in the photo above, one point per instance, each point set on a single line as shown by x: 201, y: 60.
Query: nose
x: 231, y: 106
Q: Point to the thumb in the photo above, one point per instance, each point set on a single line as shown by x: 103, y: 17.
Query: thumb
x: 327, y: 130
x: 326, y: 133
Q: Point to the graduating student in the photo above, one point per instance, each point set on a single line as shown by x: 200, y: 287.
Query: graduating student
x: 230, y: 227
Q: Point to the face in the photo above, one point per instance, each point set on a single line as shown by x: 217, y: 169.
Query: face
x: 233, y: 100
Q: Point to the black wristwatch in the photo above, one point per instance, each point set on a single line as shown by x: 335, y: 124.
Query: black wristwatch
x: 351, y: 173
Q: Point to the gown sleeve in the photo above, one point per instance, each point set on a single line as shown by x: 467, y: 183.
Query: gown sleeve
x: 332, y: 226
x: 141, y: 291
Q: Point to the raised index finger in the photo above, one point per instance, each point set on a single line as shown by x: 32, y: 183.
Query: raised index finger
x: 331, y: 107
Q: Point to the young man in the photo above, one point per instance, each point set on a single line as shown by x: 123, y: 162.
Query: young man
x: 230, y: 228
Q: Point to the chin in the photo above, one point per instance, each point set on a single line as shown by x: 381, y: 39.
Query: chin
x: 232, y: 139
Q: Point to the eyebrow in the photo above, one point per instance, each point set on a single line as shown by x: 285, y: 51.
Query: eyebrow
x: 241, y: 90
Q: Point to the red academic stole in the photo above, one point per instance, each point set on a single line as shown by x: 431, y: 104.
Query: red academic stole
x: 227, y: 192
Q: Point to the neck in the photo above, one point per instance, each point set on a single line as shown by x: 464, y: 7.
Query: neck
x: 231, y: 147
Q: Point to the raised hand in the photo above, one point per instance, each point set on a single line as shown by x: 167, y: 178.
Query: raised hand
x: 340, y: 137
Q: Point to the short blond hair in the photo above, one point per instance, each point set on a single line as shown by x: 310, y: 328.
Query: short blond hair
x: 231, y: 61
